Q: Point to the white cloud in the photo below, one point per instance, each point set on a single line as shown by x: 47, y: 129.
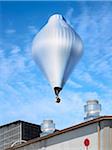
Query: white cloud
x: 69, y: 15
x: 10, y: 31
x: 97, y: 47
x: 95, y: 71
x: 91, y: 96
x: 72, y: 83
x: 15, y: 49
x: 32, y: 29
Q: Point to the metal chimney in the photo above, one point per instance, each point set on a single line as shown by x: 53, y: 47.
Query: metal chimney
x: 92, y: 109
x: 47, y: 127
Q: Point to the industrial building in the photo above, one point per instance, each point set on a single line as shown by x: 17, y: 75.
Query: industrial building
x: 95, y: 134
x: 17, y: 132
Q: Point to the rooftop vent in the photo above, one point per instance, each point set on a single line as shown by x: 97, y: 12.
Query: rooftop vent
x: 92, y: 109
x: 47, y: 127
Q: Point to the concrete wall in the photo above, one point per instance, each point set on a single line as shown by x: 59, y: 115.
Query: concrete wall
x: 74, y: 140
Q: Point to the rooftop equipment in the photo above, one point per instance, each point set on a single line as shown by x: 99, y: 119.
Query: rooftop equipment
x: 92, y: 109
x: 47, y: 127
x: 17, y: 132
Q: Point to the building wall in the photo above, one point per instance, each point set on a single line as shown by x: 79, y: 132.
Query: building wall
x: 106, y: 135
x: 8, y: 135
x: 74, y: 140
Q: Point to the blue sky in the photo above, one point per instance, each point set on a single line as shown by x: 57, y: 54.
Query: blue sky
x: 24, y: 92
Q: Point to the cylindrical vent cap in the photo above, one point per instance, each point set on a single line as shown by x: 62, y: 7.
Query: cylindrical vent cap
x: 47, y: 127
x: 92, y: 109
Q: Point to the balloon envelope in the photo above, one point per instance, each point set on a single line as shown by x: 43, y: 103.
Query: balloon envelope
x: 56, y: 49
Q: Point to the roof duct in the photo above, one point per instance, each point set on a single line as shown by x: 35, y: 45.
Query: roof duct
x: 47, y: 127
x: 92, y: 109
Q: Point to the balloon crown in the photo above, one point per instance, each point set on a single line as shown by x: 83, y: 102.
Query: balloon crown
x: 56, y: 17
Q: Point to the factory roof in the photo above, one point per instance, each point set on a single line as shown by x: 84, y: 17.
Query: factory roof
x: 85, y: 123
x: 17, y: 122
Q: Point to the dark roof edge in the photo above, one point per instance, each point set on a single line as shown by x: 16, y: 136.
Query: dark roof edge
x: 18, y: 121
x: 64, y: 131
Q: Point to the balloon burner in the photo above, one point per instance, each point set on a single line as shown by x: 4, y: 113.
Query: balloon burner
x: 57, y: 91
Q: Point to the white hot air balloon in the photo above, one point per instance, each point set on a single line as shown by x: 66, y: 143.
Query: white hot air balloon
x: 56, y: 49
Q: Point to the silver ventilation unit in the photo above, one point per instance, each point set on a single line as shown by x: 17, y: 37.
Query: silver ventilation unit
x: 92, y: 109
x: 47, y: 127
